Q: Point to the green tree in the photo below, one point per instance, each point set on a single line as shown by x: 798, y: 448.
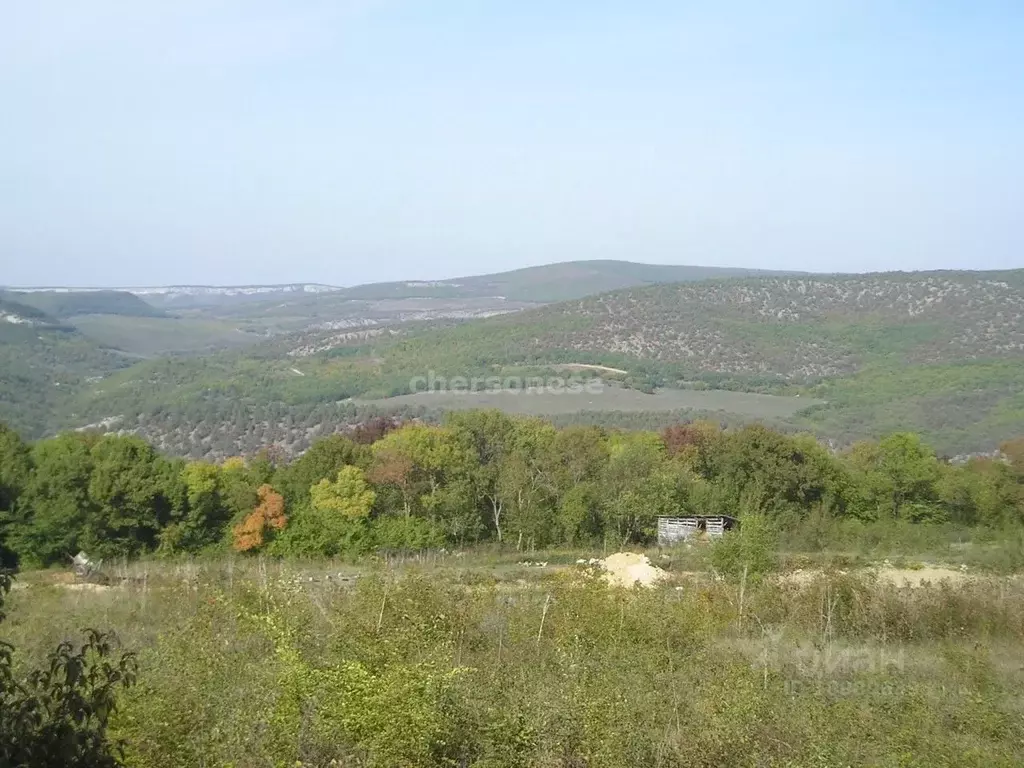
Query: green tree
x: 576, y: 454
x: 15, y: 466
x: 56, y: 503
x: 323, y: 460
x: 348, y: 497
x: 525, y: 483
x: 984, y: 491
x: 898, y: 477
x: 579, y: 514
x: 15, y: 469
x: 434, y: 468
x: 639, y: 485
x: 336, y: 519
x: 490, y: 435
x: 207, y: 514
x: 134, y: 494
x: 775, y: 472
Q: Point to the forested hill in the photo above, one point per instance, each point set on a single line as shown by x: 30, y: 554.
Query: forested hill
x: 937, y: 352
x: 941, y: 353
x: 65, y: 304
x: 551, y: 282
x: 792, y: 328
x: 43, y: 364
x: 44, y: 358
x: 16, y: 313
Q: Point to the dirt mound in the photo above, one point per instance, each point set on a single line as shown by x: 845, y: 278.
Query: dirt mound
x: 624, y: 569
x: 907, y: 577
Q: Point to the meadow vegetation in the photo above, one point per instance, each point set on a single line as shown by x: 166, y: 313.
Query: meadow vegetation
x: 475, y: 661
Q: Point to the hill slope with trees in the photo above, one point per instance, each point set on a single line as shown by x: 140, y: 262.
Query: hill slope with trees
x: 43, y: 366
x: 789, y: 328
x: 937, y: 352
x: 65, y: 304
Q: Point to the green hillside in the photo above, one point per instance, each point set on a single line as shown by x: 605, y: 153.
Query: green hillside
x: 151, y: 336
x: 42, y: 369
x: 65, y: 304
x: 942, y: 353
x: 786, y: 329
x: 15, y: 313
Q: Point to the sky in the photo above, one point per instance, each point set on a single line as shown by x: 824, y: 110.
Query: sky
x: 351, y: 141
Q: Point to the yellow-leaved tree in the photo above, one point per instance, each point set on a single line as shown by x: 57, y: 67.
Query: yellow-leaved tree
x: 336, y: 519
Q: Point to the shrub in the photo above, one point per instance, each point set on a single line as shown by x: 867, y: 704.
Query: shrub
x: 57, y: 716
x: 398, y: 533
x: 750, y: 550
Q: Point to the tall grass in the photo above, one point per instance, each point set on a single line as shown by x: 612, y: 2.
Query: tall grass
x: 258, y: 663
x: 827, y: 539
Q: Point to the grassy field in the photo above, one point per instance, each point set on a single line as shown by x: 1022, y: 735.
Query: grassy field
x: 481, y: 660
x: 538, y: 402
x: 148, y: 336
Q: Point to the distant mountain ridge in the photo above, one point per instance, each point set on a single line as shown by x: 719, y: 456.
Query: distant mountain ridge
x: 552, y: 282
x: 188, y: 296
x: 198, y: 289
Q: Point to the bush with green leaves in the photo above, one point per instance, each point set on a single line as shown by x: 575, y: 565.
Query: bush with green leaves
x: 748, y: 552
x: 56, y: 716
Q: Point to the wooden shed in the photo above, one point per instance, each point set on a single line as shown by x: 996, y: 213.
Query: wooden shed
x: 675, y: 529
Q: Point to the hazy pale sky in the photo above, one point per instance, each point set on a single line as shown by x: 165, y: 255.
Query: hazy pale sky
x: 347, y: 141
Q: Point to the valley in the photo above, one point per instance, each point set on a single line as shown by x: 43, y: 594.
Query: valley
x: 845, y: 357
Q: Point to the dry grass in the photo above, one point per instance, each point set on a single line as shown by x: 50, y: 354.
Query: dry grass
x: 476, y: 661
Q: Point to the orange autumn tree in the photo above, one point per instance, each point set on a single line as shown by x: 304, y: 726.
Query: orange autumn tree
x: 269, y: 514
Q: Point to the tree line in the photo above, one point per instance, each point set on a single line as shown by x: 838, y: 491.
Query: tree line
x: 480, y: 476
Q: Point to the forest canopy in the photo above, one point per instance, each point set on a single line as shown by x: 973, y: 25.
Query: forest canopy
x: 481, y: 476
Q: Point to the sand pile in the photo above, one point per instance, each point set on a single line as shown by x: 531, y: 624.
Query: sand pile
x: 902, y: 577
x: 624, y: 569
